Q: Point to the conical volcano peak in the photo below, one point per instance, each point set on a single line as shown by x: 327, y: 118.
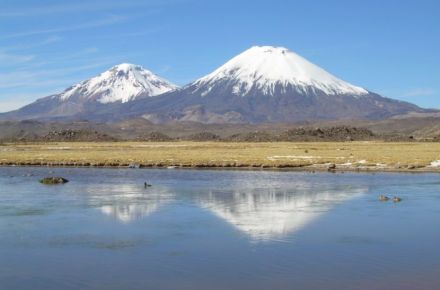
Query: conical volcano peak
x: 121, y: 83
x: 266, y: 67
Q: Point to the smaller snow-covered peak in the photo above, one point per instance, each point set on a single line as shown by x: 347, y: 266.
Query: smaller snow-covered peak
x: 265, y: 67
x: 122, y: 83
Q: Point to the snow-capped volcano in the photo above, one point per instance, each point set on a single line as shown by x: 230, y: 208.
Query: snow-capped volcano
x: 265, y: 68
x: 121, y: 83
x: 267, y: 84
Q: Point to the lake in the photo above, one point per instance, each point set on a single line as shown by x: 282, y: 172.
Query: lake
x: 217, y: 229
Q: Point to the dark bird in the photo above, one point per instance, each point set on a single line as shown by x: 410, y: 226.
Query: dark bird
x: 397, y: 199
x: 383, y: 198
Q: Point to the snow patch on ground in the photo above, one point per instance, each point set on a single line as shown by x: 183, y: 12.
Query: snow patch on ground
x: 58, y: 148
x: 381, y: 165
x: 435, y: 163
x: 291, y: 157
x: 346, y: 164
x: 158, y: 146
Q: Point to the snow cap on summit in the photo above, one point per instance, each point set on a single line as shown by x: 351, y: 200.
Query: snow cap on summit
x: 121, y: 83
x: 264, y: 67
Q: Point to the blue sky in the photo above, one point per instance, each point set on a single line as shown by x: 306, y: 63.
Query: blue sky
x: 390, y: 47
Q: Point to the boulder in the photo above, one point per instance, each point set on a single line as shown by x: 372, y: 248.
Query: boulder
x: 53, y: 180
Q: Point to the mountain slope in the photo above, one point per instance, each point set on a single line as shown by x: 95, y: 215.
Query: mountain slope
x: 120, y: 84
x: 267, y: 84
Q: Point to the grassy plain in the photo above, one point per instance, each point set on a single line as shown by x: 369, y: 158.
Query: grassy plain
x: 384, y: 156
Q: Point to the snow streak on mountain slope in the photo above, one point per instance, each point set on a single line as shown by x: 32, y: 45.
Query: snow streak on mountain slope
x: 266, y: 67
x: 122, y: 83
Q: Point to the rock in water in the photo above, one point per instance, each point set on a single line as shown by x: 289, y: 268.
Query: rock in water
x: 53, y: 180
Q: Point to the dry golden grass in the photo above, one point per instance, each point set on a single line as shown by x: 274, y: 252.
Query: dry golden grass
x: 351, y: 155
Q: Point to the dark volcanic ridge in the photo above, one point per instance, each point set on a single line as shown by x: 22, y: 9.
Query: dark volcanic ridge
x: 140, y: 130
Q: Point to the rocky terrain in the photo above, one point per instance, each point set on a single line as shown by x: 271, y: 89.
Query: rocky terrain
x: 413, y: 129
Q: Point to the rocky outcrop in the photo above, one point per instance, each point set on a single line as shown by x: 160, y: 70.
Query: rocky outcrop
x: 257, y: 136
x: 76, y: 135
x: 341, y: 133
x: 203, y: 136
x: 155, y: 137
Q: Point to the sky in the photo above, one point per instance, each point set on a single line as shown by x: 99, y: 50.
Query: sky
x: 388, y: 47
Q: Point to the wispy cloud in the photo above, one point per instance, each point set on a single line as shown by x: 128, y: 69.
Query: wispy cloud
x: 82, y: 6
x: 29, y: 45
x: 419, y: 92
x: 111, y: 20
x: 164, y: 69
x: 7, y: 58
x: 81, y: 53
x: 144, y: 32
x: 48, y: 77
x: 72, y: 7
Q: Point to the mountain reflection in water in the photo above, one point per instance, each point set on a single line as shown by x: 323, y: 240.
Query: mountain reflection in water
x: 217, y: 229
x: 262, y: 213
x: 272, y: 214
x: 127, y: 202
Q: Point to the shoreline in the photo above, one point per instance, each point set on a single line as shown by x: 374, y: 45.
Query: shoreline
x: 305, y: 168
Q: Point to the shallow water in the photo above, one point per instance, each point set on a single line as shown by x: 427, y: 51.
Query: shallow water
x: 212, y: 229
